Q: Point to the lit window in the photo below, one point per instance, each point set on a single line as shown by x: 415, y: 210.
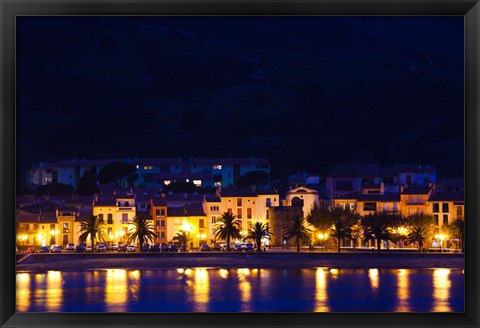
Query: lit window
x: 167, y: 182
x: 198, y: 183
x: 217, y: 184
x: 217, y: 167
x: 187, y: 180
x: 148, y: 167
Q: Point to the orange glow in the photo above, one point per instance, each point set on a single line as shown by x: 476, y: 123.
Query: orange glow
x: 23, y: 292
x: 202, y: 289
x: 321, y: 296
x: 374, y: 280
x: 402, y: 291
x: 116, y: 290
x: 441, y: 290
x: 54, y: 297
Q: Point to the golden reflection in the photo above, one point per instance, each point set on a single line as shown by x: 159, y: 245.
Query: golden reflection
x: 116, y: 291
x: 373, y: 275
x: 223, y: 273
x: 23, y: 292
x: 246, y: 295
x: 54, y: 296
x: 321, y: 295
x: 441, y: 290
x: 334, y: 271
x: 402, y: 291
x: 241, y: 273
x: 201, y: 289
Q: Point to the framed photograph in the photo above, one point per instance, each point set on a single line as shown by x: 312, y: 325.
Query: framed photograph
x: 247, y: 163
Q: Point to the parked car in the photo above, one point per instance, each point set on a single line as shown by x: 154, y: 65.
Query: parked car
x: 155, y: 248
x: 223, y: 246
x: 44, y: 249
x: 52, y: 247
x: 145, y: 247
x: 31, y: 249
x: 57, y: 249
x: 101, y: 248
x: 239, y: 247
x: 131, y: 248
x: 217, y: 247
x: 70, y: 247
x: 174, y: 248
x: 183, y: 249
x: 165, y: 248
x: 204, y: 248
x: 113, y: 247
x: 122, y: 248
x: 88, y: 248
x: 80, y: 248
x: 249, y: 247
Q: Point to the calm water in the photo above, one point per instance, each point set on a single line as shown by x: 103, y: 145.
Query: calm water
x: 236, y: 290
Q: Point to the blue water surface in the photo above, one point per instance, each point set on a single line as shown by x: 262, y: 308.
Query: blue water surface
x: 242, y: 290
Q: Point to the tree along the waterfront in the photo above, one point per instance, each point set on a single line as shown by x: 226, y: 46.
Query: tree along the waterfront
x: 456, y: 230
x: 91, y: 227
x: 377, y: 227
x: 421, y: 229
x: 141, y: 230
x: 183, y: 238
x: 227, y: 227
x: 258, y: 231
x: 299, y: 228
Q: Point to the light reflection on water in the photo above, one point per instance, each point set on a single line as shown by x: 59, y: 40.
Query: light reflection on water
x: 242, y: 290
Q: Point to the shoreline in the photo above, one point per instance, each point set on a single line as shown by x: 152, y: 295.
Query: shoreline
x: 84, y: 262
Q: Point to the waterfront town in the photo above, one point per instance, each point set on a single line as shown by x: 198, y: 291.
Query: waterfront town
x: 192, y: 202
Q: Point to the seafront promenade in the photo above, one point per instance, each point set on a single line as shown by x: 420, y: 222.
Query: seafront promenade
x: 276, y: 259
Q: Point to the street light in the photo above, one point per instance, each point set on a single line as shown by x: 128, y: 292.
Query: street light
x: 441, y: 237
x: 322, y: 237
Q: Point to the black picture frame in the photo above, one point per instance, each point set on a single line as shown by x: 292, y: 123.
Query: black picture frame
x: 9, y: 9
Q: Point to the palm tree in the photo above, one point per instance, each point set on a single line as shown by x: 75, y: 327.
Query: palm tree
x: 377, y: 226
x: 91, y: 226
x: 257, y: 231
x: 182, y: 237
x: 340, y: 230
x: 300, y: 228
x: 457, y: 230
x: 418, y: 235
x: 226, y: 227
x: 142, y: 230
x: 421, y: 229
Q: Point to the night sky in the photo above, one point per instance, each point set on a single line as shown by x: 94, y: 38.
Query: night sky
x: 306, y: 92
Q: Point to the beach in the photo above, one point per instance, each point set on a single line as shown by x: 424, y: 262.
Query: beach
x: 83, y: 261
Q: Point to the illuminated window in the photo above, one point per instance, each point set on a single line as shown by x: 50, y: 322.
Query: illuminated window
x: 197, y: 183
x: 65, y: 228
x: 217, y: 167
x: 148, y: 167
x: 167, y: 182
x: 444, y: 207
x: 217, y: 184
x: 459, y: 211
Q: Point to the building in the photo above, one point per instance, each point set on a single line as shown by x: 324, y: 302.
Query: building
x: 190, y: 219
x: 302, y: 197
x: 158, y: 211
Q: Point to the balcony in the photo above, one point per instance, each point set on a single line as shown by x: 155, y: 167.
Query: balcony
x: 126, y: 208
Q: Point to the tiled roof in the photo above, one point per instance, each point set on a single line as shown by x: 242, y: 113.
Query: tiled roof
x: 391, y: 197
x: 181, y: 198
x: 185, y: 211
x: 416, y: 190
x: 447, y: 196
x: 159, y: 201
x: 45, y: 217
x: 370, y: 198
x: 105, y: 201
x: 234, y: 192
x: 212, y: 199
x: 66, y: 208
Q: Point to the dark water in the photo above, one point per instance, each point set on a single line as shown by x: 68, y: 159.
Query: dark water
x: 239, y: 290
